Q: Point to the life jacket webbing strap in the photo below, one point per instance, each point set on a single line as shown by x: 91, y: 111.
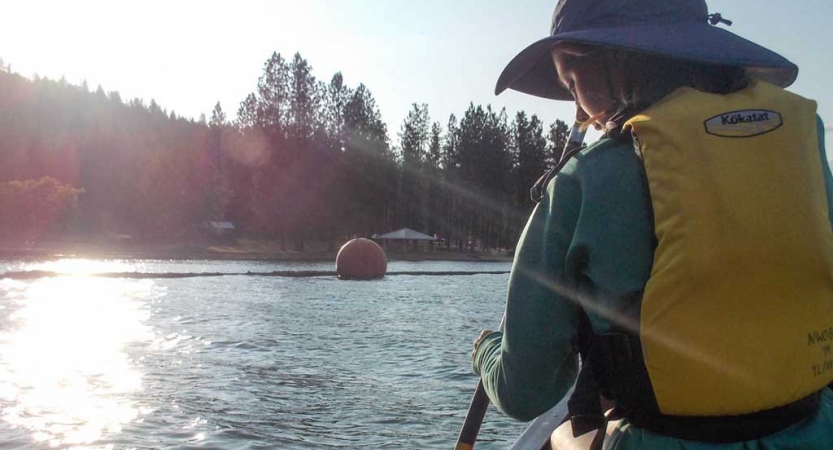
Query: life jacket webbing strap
x: 584, y: 409
x: 728, y: 429
x: 536, y: 192
x: 628, y: 380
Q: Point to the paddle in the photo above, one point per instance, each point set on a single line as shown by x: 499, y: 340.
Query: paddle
x: 477, y: 411
x: 474, y: 418
x: 480, y: 401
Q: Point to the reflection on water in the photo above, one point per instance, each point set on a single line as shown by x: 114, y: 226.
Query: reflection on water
x: 241, y: 362
x: 78, y: 266
x: 65, y: 374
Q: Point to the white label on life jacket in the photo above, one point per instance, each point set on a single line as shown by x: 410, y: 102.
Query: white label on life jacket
x: 745, y: 123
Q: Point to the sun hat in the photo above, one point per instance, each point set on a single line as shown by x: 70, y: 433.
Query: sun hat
x: 680, y: 29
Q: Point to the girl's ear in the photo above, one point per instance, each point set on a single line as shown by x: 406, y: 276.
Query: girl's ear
x: 618, y: 72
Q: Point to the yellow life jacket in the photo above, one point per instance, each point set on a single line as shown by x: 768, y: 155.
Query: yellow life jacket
x: 737, y: 316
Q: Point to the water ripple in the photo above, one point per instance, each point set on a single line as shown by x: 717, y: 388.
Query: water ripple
x: 254, y: 363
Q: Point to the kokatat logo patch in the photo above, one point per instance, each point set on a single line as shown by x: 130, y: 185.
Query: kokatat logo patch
x: 744, y: 123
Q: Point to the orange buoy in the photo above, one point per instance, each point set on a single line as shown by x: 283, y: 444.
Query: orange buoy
x: 361, y: 259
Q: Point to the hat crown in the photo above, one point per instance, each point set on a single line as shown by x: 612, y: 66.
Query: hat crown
x: 577, y: 15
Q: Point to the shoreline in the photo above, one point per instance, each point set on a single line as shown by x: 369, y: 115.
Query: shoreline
x: 240, y: 250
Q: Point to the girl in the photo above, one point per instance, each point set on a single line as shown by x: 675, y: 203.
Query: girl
x: 687, y: 256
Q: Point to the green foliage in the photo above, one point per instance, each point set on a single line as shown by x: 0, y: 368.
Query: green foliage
x: 556, y: 140
x: 434, y: 156
x: 530, y: 149
x: 304, y: 101
x: 34, y: 209
x: 218, y: 117
x: 273, y: 90
x: 303, y: 159
x: 414, y: 182
x: 248, y: 114
x: 368, y: 167
x: 413, y: 138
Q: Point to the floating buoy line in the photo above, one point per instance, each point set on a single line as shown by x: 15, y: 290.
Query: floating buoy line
x: 35, y: 274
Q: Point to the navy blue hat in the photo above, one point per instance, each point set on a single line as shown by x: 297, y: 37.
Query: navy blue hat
x: 680, y: 29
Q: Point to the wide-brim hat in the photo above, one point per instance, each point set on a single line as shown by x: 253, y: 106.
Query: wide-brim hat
x: 680, y: 29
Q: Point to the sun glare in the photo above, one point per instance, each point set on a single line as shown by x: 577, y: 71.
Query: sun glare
x: 77, y: 266
x: 65, y: 374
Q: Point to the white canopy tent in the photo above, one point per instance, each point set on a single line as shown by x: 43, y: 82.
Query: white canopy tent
x: 406, y: 239
x: 405, y: 234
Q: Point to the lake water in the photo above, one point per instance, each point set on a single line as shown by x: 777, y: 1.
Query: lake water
x: 242, y: 362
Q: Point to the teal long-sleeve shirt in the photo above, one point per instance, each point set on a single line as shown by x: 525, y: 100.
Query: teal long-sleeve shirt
x: 589, y: 244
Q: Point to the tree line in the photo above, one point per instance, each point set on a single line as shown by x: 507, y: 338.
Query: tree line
x: 304, y: 160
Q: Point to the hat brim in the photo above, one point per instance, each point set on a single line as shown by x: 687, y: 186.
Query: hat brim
x: 533, y: 72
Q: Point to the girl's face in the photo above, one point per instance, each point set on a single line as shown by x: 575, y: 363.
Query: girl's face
x: 586, y: 75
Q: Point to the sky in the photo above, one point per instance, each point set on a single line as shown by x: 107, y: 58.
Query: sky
x: 187, y: 55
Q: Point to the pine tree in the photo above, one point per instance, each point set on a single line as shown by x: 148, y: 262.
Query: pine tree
x: 556, y: 139
x: 218, y: 117
x: 414, y: 142
x: 270, y: 191
x: 247, y: 114
x: 273, y: 92
x: 336, y: 100
x: 433, y: 205
x: 369, y: 165
x: 216, y: 126
x: 450, y: 160
x: 531, y: 148
x: 414, y: 136
x: 450, y: 199
x: 303, y: 161
x: 303, y: 102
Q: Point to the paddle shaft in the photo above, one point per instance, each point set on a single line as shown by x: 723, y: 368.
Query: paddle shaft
x: 477, y: 411
x: 480, y: 400
x: 474, y: 418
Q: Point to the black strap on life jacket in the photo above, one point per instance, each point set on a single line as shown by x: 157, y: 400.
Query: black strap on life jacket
x: 614, y: 366
x: 536, y: 192
x: 584, y: 408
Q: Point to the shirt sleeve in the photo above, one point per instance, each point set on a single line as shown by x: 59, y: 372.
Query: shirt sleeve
x: 531, y: 365
x: 587, y: 244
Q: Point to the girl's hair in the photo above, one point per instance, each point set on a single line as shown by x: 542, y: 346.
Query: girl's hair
x: 646, y: 79
x: 638, y: 80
